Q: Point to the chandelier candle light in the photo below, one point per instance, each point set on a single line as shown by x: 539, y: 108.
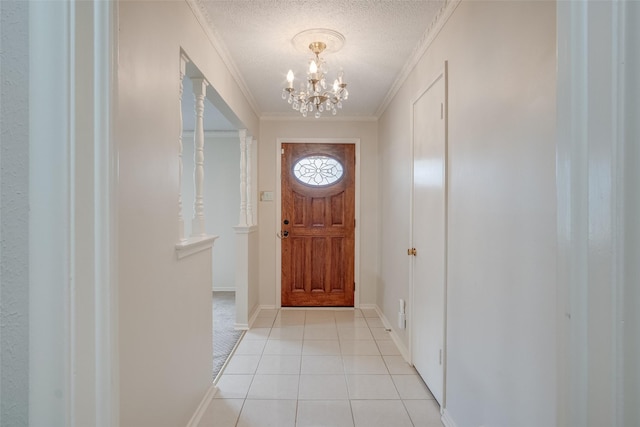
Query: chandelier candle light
x: 314, y: 96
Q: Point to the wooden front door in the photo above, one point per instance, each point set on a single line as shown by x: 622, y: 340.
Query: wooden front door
x: 318, y: 224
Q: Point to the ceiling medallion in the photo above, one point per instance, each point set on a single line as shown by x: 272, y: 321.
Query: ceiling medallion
x: 313, y: 97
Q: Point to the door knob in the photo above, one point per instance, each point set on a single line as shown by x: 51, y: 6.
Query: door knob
x: 412, y: 251
x: 282, y: 234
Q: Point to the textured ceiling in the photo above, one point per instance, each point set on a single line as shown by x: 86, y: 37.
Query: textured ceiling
x: 380, y: 37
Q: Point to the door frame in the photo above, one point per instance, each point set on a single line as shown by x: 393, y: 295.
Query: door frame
x: 441, y: 73
x: 278, y: 202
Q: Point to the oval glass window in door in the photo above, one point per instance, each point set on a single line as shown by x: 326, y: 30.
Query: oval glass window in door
x: 318, y: 170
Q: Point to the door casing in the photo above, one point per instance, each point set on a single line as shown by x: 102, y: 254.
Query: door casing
x: 278, y: 201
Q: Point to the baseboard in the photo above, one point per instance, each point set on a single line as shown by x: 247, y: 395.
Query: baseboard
x: 224, y: 289
x: 368, y: 307
x: 241, y: 326
x: 268, y: 307
x: 447, y: 420
x: 202, y: 407
x: 404, y: 351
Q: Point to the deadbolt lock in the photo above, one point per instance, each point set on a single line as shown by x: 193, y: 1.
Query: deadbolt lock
x: 412, y: 251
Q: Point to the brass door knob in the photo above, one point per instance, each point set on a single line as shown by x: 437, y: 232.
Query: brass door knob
x: 412, y: 251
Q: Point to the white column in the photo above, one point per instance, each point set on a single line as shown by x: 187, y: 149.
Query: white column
x: 183, y: 65
x: 242, y: 220
x: 249, y: 178
x: 199, y: 92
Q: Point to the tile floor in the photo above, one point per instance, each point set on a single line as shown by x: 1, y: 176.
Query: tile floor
x: 323, y: 368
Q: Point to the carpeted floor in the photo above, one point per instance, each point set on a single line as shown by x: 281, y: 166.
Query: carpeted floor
x: 225, y: 336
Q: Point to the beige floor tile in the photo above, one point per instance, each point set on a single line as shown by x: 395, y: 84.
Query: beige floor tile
x: 242, y: 364
x: 397, y: 365
x: 315, y: 332
x: 380, y: 334
x: 321, y: 347
x: 279, y: 364
x: 233, y: 386
x: 363, y: 347
x: 375, y: 322
x: 355, y: 334
x: 322, y: 365
x: 324, y: 413
x: 364, y: 365
x: 380, y: 413
x: 274, y: 387
x: 289, y: 347
x: 268, y: 413
x: 388, y: 348
x: 371, y: 387
x: 250, y: 347
x: 222, y: 413
x: 290, y: 332
x: 257, y: 334
x: 411, y: 387
x: 322, y: 387
x: 424, y: 413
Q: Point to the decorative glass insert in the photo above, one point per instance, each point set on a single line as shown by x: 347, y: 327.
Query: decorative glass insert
x: 318, y: 170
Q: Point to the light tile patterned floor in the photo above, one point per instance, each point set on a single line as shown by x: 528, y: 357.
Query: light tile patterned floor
x: 321, y: 368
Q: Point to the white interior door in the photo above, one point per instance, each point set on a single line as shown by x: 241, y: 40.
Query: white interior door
x: 429, y: 235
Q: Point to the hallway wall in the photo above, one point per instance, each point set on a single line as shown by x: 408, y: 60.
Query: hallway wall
x: 502, y: 221
x: 366, y: 130
x: 221, y: 199
x: 165, y: 342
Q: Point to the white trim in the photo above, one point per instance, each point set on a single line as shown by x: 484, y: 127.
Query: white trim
x: 224, y: 289
x: 288, y: 117
x: 428, y: 38
x: 252, y: 319
x: 404, y: 350
x: 193, y: 245
x: 202, y: 407
x: 254, y: 315
x: 202, y: 16
x: 278, y: 205
x: 106, y: 187
x: 446, y: 419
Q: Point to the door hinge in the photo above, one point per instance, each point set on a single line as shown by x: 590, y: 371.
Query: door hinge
x: 441, y: 356
x: 282, y: 151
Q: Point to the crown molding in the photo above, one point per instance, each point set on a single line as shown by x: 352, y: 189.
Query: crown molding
x: 204, y: 19
x: 188, y: 133
x: 427, y: 38
x: 299, y: 118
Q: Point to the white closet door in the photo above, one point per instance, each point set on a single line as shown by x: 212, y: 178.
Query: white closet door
x: 429, y: 235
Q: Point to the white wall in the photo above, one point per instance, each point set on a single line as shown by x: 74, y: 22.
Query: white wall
x: 14, y: 207
x: 502, y: 224
x: 164, y: 304
x: 221, y: 199
x: 270, y: 131
x: 222, y: 204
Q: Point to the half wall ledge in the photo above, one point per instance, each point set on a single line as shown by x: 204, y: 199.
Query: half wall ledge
x: 194, y: 244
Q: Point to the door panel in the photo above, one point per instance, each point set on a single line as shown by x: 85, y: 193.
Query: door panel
x: 429, y: 236
x: 318, y: 229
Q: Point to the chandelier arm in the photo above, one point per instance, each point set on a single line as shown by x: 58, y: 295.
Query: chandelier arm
x: 315, y: 96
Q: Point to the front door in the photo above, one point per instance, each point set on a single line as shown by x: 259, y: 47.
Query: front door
x: 318, y: 225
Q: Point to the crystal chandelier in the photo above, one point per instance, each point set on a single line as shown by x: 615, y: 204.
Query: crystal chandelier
x: 313, y: 97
